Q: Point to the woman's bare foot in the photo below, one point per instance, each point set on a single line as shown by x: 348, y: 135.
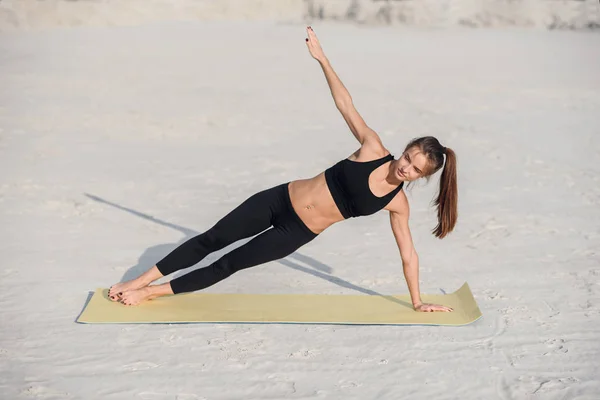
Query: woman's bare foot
x: 136, y: 296
x: 115, y: 291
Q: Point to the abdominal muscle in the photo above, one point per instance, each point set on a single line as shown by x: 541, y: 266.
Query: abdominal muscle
x: 312, y: 201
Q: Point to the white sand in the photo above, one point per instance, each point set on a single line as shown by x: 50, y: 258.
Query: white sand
x: 118, y: 143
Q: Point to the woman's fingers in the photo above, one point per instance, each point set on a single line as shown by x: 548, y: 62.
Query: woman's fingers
x: 313, y: 44
x: 436, y: 307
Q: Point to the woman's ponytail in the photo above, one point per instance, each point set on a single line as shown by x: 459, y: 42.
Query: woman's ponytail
x: 447, y: 200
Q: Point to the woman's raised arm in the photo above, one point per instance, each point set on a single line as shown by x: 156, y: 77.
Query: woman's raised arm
x: 341, y: 96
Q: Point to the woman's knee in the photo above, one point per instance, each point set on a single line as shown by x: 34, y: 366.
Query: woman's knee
x: 225, y: 267
x: 212, y: 240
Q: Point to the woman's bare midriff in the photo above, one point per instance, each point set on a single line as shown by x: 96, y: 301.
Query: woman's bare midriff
x: 312, y: 201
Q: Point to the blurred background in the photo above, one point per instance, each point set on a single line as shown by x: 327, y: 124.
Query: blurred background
x: 544, y: 14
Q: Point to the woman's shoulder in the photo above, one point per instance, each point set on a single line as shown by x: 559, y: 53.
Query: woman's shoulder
x: 399, y: 204
x: 369, y: 152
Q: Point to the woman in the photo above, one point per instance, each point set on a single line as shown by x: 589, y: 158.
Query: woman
x: 292, y: 214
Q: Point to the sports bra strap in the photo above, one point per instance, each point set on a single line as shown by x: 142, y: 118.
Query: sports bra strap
x: 385, y: 159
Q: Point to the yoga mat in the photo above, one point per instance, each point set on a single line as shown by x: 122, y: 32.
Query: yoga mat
x: 283, y: 308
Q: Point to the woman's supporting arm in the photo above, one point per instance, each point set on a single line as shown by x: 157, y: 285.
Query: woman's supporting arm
x: 410, y: 259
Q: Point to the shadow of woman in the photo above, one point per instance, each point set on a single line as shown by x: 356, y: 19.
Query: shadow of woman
x: 155, y: 253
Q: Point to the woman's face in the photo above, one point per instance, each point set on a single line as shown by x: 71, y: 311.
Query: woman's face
x: 412, y: 165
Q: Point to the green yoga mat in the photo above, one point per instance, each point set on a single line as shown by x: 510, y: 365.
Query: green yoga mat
x: 283, y: 308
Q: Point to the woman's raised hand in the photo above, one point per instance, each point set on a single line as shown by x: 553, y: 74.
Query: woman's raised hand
x: 424, y: 307
x: 314, y: 47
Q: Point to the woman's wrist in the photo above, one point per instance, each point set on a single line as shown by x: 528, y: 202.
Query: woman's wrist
x: 323, y: 60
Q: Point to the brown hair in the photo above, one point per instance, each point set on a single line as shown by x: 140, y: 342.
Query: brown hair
x: 447, y: 199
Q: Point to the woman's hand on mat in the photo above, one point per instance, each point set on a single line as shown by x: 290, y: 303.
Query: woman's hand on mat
x: 424, y: 307
x: 314, y: 47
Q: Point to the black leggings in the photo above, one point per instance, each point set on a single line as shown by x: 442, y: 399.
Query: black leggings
x: 270, y: 207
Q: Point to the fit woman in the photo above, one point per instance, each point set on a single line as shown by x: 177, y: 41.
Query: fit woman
x: 294, y: 213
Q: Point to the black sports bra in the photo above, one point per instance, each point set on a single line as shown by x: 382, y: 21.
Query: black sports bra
x: 348, y: 182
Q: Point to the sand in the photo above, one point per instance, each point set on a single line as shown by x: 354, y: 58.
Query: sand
x: 118, y: 143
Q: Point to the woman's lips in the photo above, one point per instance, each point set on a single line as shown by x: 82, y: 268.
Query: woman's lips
x: 401, y: 174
